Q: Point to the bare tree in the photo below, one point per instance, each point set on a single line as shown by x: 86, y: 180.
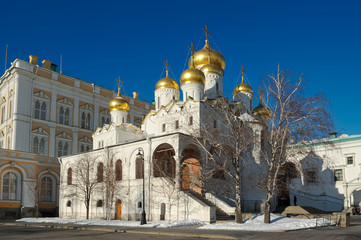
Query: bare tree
x: 227, y: 140
x: 85, y: 178
x: 34, y: 194
x: 292, y: 117
x: 112, y: 174
x: 165, y: 183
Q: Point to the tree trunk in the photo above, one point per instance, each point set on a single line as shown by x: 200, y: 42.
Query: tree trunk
x: 267, y: 210
x: 238, y: 205
x: 37, y: 211
x: 87, y: 208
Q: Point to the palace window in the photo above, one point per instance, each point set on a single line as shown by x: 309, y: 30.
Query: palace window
x: 39, y: 146
x: 10, y: 108
x: 64, y: 115
x: 63, y: 148
x: 118, y: 170
x: 46, y: 189
x: 40, y: 110
x: 338, y: 175
x: 100, y: 172
x: 70, y: 176
x: 2, y: 114
x: 9, y: 186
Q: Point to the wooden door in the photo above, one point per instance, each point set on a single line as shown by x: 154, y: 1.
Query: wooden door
x: 119, y: 210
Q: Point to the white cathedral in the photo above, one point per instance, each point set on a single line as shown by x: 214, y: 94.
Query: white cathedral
x: 155, y: 167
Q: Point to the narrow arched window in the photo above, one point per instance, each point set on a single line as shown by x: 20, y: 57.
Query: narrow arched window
x: 82, y: 120
x: 60, y: 149
x: 37, y: 110
x: 70, y: 176
x: 36, y: 145
x: 68, y: 203
x: 46, y: 190
x: 100, y: 173
x: 42, y: 147
x: 82, y: 148
x: 67, y: 117
x: 87, y: 149
x: 9, y: 185
x: 99, y: 203
x: 87, y: 124
x: 10, y: 108
x: 43, y: 111
x: 139, y: 168
x: 65, y: 149
x: 61, y: 115
x: 118, y: 170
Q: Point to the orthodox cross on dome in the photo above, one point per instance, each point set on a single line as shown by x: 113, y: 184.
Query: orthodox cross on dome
x: 192, y: 50
x: 167, y: 66
x: 119, y: 85
x: 242, y: 70
x: 206, y: 31
x: 260, y: 95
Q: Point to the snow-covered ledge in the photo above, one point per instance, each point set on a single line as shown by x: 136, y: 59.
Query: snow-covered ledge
x: 221, y: 204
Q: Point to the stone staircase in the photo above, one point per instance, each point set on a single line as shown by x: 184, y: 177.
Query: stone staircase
x: 220, y: 214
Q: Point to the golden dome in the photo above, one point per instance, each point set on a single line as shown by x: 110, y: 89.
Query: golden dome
x: 167, y: 82
x: 243, y: 87
x: 207, y: 56
x: 118, y: 103
x: 192, y: 75
x: 211, y: 68
x: 262, y: 111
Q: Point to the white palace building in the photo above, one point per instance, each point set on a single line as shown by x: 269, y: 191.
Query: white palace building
x: 172, y: 166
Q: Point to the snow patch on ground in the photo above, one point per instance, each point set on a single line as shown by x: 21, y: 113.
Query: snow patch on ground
x: 152, y: 224
x: 278, y: 223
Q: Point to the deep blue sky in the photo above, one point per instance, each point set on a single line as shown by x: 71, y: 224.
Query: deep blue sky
x: 103, y: 39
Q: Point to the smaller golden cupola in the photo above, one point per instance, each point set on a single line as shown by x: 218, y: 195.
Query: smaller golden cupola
x: 261, y: 110
x: 167, y: 82
x: 192, y: 75
x: 243, y: 87
x: 118, y: 103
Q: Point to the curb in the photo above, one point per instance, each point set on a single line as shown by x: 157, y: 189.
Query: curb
x: 99, y: 229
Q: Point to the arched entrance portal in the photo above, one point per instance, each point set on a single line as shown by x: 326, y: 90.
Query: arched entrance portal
x: 286, y: 173
x: 163, y: 161
x: 191, y: 170
x: 356, y: 197
x: 118, y: 209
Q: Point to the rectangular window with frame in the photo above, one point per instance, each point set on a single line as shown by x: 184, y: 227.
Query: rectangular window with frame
x: 311, y: 177
x: 349, y: 160
x: 338, y: 175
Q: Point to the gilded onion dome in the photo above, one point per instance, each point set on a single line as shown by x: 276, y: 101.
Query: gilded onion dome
x: 206, y: 56
x: 192, y: 75
x: 243, y: 87
x: 262, y: 111
x: 211, y: 68
x: 118, y: 103
x: 167, y: 82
